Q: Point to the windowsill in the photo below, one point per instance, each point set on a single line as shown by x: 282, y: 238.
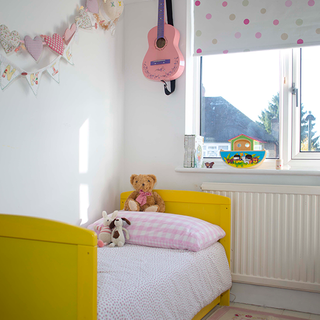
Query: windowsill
x: 267, y: 168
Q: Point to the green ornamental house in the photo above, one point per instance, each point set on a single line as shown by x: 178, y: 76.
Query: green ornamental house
x: 243, y: 142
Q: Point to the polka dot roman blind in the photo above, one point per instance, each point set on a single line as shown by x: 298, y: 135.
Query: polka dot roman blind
x: 225, y: 26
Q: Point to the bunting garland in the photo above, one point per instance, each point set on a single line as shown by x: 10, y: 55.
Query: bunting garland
x: 10, y: 71
x: 11, y: 42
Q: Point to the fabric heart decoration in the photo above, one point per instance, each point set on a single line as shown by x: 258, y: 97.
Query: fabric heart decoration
x: 68, y: 34
x: 93, y: 6
x: 9, y: 40
x: 34, y: 47
x: 84, y: 20
x: 55, y: 43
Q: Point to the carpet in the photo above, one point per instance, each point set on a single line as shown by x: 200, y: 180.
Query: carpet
x: 234, y: 313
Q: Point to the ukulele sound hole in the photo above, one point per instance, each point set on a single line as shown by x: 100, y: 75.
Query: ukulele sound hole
x: 161, y: 43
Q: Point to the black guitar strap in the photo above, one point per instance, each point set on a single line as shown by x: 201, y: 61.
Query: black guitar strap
x: 170, y: 21
x: 172, y: 87
x: 169, y: 12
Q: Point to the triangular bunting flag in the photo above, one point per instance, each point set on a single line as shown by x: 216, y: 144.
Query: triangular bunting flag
x: 67, y: 54
x: 34, y: 80
x: 8, y: 72
x: 54, y: 70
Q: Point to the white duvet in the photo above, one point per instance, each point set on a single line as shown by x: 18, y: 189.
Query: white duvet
x: 144, y: 283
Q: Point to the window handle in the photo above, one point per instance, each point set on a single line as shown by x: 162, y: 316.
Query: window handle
x: 295, y: 91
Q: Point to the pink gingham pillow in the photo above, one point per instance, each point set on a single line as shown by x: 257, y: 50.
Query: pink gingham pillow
x: 166, y: 230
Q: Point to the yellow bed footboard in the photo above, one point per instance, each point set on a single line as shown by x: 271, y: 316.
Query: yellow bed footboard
x: 48, y: 270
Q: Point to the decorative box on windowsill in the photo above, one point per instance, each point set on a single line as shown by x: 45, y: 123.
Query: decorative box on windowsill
x: 242, y: 154
x: 243, y: 159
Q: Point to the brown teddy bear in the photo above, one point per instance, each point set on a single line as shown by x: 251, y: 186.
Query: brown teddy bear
x: 144, y: 199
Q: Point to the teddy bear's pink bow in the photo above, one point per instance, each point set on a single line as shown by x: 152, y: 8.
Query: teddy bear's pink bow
x: 142, y: 197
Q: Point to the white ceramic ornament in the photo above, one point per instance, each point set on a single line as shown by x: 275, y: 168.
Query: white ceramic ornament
x: 113, y: 8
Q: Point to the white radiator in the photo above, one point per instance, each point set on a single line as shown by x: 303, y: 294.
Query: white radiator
x: 275, y: 237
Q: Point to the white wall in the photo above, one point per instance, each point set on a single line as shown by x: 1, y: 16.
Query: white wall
x: 40, y: 136
x: 154, y: 122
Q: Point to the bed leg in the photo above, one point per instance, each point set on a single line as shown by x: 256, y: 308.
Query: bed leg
x: 225, y: 298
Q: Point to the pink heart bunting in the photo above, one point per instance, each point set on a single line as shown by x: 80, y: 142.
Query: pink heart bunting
x: 68, y: 34
x: 34, y: 47
x: 93, y: 6
x: 55, y: 43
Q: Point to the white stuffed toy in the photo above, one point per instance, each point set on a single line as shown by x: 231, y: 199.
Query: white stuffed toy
x: 105, y: 230
x: 117, y: 235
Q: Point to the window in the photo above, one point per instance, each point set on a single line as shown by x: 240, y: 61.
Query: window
x: 269, y: 96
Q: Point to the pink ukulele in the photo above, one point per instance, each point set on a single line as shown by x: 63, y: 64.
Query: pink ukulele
x: 163, y: 60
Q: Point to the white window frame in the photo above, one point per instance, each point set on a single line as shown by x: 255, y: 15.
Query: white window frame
x: 296, y: 113
x: 289, y: 114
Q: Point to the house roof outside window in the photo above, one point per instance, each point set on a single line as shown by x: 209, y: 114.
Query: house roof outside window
x: 221, y: 122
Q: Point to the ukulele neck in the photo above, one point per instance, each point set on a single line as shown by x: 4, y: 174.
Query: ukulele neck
x: 160, y: 30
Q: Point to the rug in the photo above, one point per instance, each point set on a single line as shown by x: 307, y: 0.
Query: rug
x: 234, y: 313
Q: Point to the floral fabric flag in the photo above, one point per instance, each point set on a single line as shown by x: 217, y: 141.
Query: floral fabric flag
x: 54, y: 70
x: 8, y: 72
x: 34, y: 80
x: 67, y: 54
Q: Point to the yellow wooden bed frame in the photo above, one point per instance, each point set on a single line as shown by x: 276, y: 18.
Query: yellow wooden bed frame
x: 48, y: 269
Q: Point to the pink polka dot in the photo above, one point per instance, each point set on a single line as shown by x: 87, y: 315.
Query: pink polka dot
x: 209, y: 16
x: 246, y: 21
x: 225, y: 51
x: 258, y: 35
x: 237, y: 35
x: 311, y: 3
x: 300, y: 41
x: 276, y: 22
x: 288, y: 3
x: 224, y: 3
x: 199, y: 50
x: 197, y: 3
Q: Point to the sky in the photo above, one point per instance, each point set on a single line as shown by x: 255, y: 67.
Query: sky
x: 249, y: 80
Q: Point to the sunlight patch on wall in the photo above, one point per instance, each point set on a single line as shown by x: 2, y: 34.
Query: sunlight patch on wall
x: 84, y: 203
x: 84, y: 147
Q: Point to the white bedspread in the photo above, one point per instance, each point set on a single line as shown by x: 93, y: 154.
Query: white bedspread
x: 138, y: 283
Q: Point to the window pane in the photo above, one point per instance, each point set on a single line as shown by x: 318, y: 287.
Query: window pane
x: 240, y: 95
x: 310, y: 106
